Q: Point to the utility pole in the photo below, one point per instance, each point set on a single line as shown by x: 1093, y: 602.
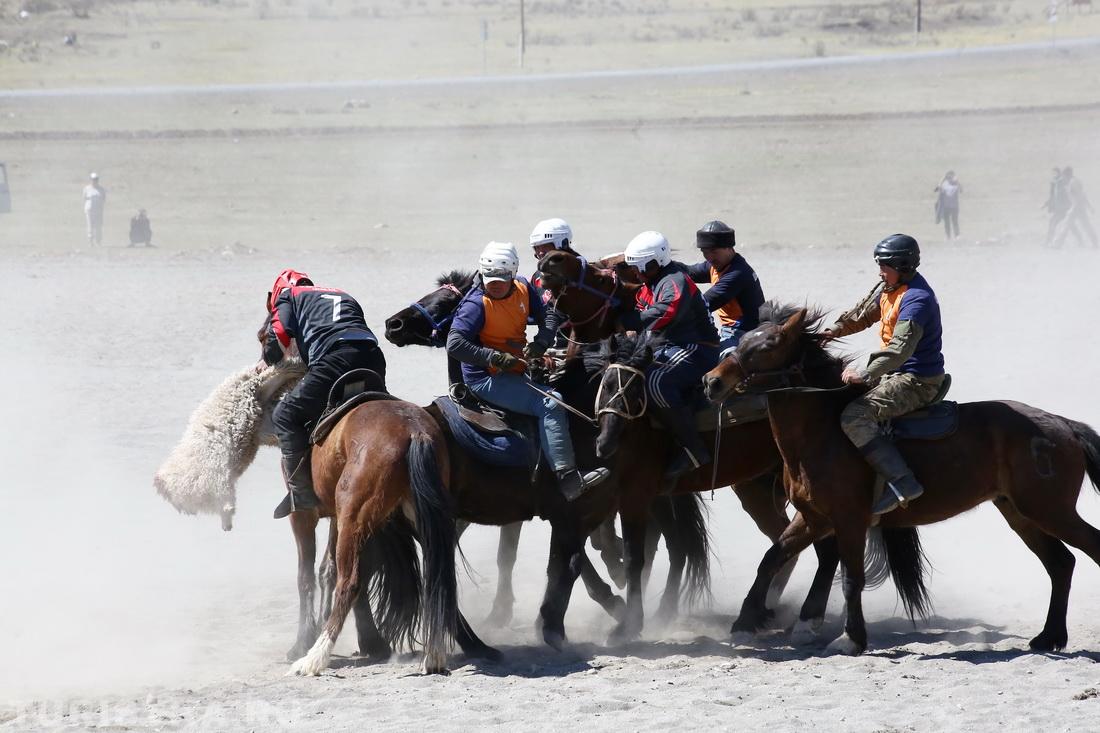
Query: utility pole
x: 522, y: 33
x: 918, y: 15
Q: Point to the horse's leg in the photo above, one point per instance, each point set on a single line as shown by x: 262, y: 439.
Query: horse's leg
x: 471, y: 645
x: 599, y: 591
x: 812, y: 615
x: 754, y: 610
x: 328, y: 573
x: 562, y: 569
x: 505, y: 598
x: 634, y: 537
x: 1058, y: 562
x: 371, y: 643
x: 348, y: 545
x: 652, y: 540
x: 764, y: 500
x: 851, y: 542
x: 610, y: 546
x: 669, y: 607
x: 304, y: 526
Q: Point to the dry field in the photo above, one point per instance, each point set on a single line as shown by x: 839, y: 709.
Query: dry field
x: 121, y: 615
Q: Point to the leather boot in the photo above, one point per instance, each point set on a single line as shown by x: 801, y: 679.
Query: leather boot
x: 573, y: 485
x: 298, y: 474
x: 901, y: 485
x: 693, y: 453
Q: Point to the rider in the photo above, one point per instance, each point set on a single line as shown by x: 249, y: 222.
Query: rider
x: 735, y: 293
x: 489, y: 336
x: 547, y: 236
x: 908, y: 367
x: 670, y: 305
x: 326, y: 328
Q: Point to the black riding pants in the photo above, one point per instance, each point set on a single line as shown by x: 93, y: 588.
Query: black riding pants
x: 296, y: 415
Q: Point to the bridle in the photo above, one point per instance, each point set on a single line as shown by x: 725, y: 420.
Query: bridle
x: 620, y: 392
x: 439, y: 327
x: 610, y: 300
x: 784, y: 377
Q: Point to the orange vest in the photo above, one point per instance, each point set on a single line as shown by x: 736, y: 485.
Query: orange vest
x: 505, y: 326
x: 890, y: 306
x: 730, y: 313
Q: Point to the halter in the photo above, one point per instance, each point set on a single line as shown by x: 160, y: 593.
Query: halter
x: 438, y: 327
x: 785, y: 374
x: 620, y: 391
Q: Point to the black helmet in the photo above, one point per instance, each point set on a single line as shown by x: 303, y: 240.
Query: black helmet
x: 714, y: 235
x: 899, y: 251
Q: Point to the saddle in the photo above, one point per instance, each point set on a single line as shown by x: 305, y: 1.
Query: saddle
x: 348, y: 392
x: 938, y: 420
x: 490, y: 435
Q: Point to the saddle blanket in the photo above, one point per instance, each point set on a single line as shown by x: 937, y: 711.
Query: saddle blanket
x: 508, y: 448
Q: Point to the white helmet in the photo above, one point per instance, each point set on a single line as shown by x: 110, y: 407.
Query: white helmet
x: 552, y: 231
x: 648, y: 247
x: 498, y: 261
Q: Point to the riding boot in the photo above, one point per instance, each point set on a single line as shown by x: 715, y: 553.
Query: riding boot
x: 572, y: 484
x: 901, y: 485
x: 693, y: 453
x: 298, y: 474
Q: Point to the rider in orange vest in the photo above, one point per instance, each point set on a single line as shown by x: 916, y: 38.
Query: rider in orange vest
x: 906, y: 373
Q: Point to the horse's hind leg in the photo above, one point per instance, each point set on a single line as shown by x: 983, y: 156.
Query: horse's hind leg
x: 669, y: 607
x: 562, y: 570
x: 304, y: 526
x: 327, y: 574
x: 505, y: 598
x: 371, y: 643
x: 1058, y: 562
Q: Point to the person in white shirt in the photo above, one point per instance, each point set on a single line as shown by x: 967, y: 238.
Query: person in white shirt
x: 947, y: 204
x: 94, y: 200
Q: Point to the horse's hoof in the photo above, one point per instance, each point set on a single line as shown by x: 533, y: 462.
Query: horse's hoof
x: 379, y: 654
x: 742, y: 638
x: 623, y: 633
x: 844, y: 644
x: 498, y: 618
x: 805, y: 631
x: 486, y: 653
x: 1049, y: 642
x: 554, y: 639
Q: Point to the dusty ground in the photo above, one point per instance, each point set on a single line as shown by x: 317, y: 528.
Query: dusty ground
x: 121, y: 615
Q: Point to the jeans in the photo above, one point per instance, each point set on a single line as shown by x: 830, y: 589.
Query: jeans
x: 728, y: 338
x: 510, y: 392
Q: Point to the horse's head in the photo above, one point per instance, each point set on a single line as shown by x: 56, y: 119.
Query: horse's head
x: 622, y: 395
x: 784, y: 350
x: 427, y: 321
x: 588, y: 295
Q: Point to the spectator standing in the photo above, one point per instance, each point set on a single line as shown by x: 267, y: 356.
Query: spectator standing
x: 1077, y: 218
x: 95, y: 198
x: 947, y: 204
x: 1057, y: 204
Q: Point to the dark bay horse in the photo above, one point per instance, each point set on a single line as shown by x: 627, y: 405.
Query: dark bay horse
x: 1028, y: 462
x: 426, y: 322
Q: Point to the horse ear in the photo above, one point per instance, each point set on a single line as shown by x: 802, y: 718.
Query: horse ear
x: 795, y: 324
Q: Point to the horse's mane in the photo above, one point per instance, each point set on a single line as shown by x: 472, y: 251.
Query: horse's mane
x: 461, y: 279
x: 816, y: 355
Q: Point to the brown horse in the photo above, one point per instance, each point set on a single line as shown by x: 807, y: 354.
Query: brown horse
x: 593, y: 299
x: 680, y: 520
x: 1028, y: 462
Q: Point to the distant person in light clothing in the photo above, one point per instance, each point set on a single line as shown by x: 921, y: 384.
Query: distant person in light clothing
x: 95, y: 198
x: 1077, y: 218
x: 947, y: 204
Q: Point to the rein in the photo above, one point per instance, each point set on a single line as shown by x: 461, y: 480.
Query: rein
x: 610, y: 301
x: 785, y: 375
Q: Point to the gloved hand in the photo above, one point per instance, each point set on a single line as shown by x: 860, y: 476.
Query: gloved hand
x: 504, y: 361
x: 533, y: 350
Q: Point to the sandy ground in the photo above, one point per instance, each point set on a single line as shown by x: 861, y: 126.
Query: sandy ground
x: 121, y: 615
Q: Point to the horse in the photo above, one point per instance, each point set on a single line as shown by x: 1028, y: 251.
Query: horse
x: 1028, y: 462
x: 425, y: 322
x: 593, y: 299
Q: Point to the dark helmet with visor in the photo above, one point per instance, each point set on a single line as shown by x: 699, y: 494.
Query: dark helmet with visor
x: 899, y: 251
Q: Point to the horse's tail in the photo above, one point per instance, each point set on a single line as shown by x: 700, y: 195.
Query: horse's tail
x: 908, y: 566
x: 686, y: 516
x: 1090, y: 444
x: 392, y: 569
x: 876, y: 568
x: 435, y: 527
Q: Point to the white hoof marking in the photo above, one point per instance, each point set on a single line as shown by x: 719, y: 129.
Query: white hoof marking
x: 844, y: 645
x: 805, y: 632
x: 316, y: 660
